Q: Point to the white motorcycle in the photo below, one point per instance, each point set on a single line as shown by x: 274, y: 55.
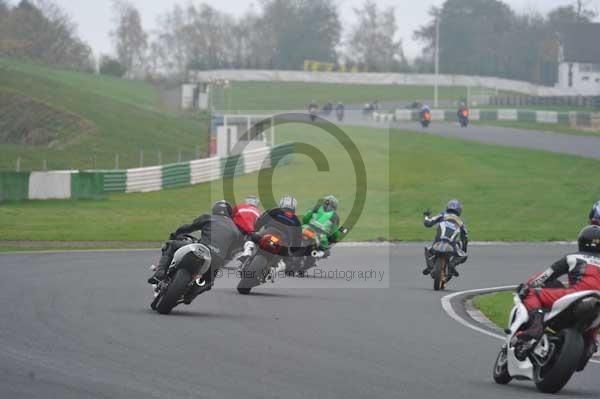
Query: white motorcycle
x: 561, y: 351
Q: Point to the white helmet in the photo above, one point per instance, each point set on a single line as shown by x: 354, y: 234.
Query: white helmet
x: 288, y: 202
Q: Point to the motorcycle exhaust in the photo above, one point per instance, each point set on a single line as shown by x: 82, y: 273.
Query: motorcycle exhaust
x: 317, y: 254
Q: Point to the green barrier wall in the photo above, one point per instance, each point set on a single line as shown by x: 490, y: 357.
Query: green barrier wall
x: 282, y: 155
x: 526, y: 116
x: 115, y: 181
x: 176, y: 175
x: 14, y: 186
x: 232, y: 166
x: 488, y: 115
x: 87, y: 185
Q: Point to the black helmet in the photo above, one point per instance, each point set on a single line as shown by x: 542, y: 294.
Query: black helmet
x: 222, y: 208
x: 589, y: 239
x: 454, y: 206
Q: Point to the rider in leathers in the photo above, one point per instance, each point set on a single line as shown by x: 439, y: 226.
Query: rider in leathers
x: 583, y: 271
x: 219, y: 234
x: 451, y: 228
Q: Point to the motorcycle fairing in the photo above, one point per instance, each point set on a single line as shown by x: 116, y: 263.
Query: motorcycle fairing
x: 199, y: 250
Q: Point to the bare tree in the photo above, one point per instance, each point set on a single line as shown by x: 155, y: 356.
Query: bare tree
x: 130, y: 39
x: 583, y: 12
x: 372, y: 41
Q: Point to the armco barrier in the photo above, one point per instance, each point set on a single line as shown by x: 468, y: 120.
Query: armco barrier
x: 205, y: 170
x: 94, y: 184
x: 575, y: 119
x: 114, y: 181
x: 176, y: 175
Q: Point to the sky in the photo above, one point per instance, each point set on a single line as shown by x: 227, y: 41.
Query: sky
x: 95, y: 19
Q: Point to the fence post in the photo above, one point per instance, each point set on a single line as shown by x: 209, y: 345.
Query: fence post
x: 18, y: 164
x: 159, y: 157
x: 141, y: 158
x: 179, y: 157
x: 116, y: 161
x: 45, y: 165
x: 197, y: 151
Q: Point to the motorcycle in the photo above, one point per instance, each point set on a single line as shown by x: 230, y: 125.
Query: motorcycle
x: 425, y: 118
x: 312, y: 112
x: 443, y: 253
x: 183, y: 277
x: 560, y: 352
x: 463, y: 117
x: 340, y: 114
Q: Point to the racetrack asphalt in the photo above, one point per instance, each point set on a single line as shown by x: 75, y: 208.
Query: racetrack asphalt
x: 584, y: 146
x: 78, y: 325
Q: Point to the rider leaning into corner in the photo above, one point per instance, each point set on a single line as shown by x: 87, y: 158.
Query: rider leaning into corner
x: 281, y: 221
x: 451, y: 229
x: 219, y: 234
x: 325, y: 220
x: 594, y: 216
x: 583, y: 271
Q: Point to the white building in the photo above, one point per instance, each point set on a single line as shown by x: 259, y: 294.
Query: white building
x: 579, y: 58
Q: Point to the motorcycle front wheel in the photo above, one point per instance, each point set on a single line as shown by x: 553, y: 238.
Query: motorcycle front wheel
x: 552, y: 377
x: 501, y: 375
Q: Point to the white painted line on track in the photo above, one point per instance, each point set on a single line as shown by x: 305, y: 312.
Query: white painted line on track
x: 447, y: 306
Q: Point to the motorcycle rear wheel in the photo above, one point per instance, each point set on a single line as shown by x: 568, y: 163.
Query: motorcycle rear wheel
x: 554, y: 376
x: 175, y: 292
x: 251, y: 274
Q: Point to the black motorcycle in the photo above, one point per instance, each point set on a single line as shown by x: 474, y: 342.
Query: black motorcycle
x: 261, y: 266
x: 184, y: 276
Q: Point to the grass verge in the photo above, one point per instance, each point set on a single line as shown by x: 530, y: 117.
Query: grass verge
x: 508, y: 193
x: 495, y: 307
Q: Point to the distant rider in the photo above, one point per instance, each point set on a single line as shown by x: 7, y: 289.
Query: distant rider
x: 219, y: 234
x: 463, y: 110
x: 452, y: 229
x: 425, y: 109
x: 324, y: 220
x: 594, y: 215
x: 583, y: 271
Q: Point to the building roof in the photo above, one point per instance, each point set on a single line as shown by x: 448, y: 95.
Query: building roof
x: 581, y: 42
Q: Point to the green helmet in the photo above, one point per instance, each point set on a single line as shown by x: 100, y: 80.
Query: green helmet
x: 330, y: 203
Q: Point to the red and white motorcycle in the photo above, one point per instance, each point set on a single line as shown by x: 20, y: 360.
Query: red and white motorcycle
x: 561, y: 351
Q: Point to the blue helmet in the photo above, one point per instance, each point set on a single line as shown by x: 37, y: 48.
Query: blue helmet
x: 454, y: 206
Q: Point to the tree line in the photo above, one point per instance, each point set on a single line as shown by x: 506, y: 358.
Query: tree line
x: 40, y: 30
x: 482, y: 37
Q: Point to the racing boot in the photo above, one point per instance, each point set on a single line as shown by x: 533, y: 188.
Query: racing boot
x: 160, y: 270
x: 528, y: 338
x: 429, y: 261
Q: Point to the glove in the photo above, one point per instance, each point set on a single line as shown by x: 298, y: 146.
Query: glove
x: 427, y: 213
